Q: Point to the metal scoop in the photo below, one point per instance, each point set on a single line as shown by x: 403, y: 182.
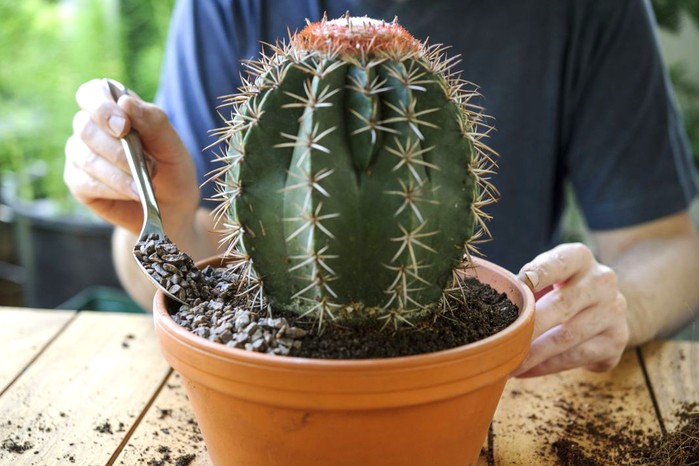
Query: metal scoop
x: 152, y: 223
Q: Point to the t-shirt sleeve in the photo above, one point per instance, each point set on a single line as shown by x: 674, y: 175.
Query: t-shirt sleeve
x: 206, y: 41
x: 626, y: 151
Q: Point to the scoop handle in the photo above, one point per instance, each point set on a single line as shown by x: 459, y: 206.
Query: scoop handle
x: 135, y: 156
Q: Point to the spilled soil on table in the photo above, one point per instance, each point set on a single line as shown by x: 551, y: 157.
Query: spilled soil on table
x: 172, y: 438
x: 585, y: 437
x: 575, y: 422
x: 13, y: 445
x: 628, y: 445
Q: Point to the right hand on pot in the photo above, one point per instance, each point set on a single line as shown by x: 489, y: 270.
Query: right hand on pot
x: 581, y: 315
x: 96, y: 170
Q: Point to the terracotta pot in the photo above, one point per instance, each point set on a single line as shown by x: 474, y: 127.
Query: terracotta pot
x: 431, y: 409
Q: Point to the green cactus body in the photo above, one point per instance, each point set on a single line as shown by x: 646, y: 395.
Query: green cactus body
x: 353, y: 180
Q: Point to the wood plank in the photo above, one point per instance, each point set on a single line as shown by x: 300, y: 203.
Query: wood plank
x: 23, y: 334
x: 78, y: 400
x: 576, y: 406
x: 167, y: 432
x: 673, y: 372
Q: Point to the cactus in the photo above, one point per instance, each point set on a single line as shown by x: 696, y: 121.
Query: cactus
x: 354, y: 175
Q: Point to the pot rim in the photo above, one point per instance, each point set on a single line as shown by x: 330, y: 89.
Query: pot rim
x: 503, y: 337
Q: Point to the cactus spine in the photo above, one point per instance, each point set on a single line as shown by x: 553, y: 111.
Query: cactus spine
x: 354, y: 176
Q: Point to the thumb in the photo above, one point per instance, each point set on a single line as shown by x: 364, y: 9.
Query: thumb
x: 530, y: 277
x: 558, y: 265
x: 158, y: 135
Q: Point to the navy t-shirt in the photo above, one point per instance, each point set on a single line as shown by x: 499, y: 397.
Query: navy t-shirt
x: 576, y: 89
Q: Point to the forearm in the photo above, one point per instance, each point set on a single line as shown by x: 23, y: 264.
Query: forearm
x: 199, y: 242
x: 656, y: 264
x: 658, y: 277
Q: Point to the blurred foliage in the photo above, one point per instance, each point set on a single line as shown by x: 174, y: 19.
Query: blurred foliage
x: 669, y: 12
x: 669, y: 17
x: 47, y: 49
x: 687, y: 91
x: 144, y: 30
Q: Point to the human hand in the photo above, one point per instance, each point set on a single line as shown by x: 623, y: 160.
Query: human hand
x: 580, y: 313
x: 98, y: 175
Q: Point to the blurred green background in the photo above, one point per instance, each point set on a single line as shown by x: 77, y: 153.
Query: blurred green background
x: 678, y: 22
x: 49, y: 47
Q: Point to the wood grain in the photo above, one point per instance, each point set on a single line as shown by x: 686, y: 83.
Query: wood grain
x: 534, y: 413
x: 91, y: 388
x: 673, y: 372
x: 80, y: 397
x: 23, y: 334
x: 167, y: 432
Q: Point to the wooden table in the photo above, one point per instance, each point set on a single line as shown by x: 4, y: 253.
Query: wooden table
x: 91, y: 388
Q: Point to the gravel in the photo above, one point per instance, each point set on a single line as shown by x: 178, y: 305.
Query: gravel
x: 173, y: 269
x: 214, y: 309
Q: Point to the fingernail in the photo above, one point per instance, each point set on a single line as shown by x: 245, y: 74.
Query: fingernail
x: 116, y: 124
x: 532, y: 279
x: 134, y: 189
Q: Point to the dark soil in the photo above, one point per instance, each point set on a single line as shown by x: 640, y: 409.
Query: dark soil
x: 166, y: 458
x: 626, y: 444
x: 104, y: 428
x: 215, y: 311
x: 679, y: 447
x: 185, y: 460
x: 15, y: 446
x: 485, y: 313
x: 480, y: 312
x: 569, y: 453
